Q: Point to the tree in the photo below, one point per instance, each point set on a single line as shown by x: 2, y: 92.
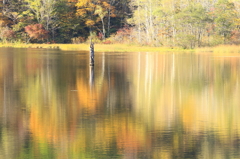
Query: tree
x: 93, y: 11
x: 152, y: 20
x: 192, y: 21
x: 224, y: 17
x: 45, y: 12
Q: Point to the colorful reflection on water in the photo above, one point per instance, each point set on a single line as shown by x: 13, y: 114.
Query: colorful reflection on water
x: 130, y: 105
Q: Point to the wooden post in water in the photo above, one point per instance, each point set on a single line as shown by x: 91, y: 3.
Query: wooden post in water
x: 91, y: 54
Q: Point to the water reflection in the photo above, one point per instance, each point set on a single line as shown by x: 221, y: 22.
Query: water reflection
x: 135, y: 105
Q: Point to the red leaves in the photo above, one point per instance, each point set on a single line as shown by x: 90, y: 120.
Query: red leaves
x: 36, y: 31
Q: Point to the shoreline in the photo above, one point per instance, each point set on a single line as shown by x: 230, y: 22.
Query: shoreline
x: 99, y: 47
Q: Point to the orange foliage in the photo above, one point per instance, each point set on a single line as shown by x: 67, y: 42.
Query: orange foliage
x: 81, y: 12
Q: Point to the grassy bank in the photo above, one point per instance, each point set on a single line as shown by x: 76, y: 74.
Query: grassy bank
x: 98, y: 47
x: 221, y: 49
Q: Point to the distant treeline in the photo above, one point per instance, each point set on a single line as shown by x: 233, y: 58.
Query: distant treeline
x: 184, y: 23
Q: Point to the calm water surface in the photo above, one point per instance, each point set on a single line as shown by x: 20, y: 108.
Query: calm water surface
x: 130, y: 105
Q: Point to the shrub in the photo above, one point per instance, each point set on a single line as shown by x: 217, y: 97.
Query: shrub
x: 186, y: 41
x: 36, y: 31
x: 123, y: 35
x: 107, y: 42
x: 78, y: 40
x: 8, y: 34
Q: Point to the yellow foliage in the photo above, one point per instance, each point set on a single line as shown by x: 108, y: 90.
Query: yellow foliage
x: 83, y: 3
x: 88, y: 8
x: 89, y: 22
x: 80, y: 4
x: 81, y: 12
x: 91, y: 6
x: 84, y: 6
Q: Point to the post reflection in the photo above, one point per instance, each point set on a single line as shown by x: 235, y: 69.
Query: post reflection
x: 91, y: 77
x: 136, y: 105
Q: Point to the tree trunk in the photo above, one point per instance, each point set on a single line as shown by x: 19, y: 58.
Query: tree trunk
x: 103, y: 28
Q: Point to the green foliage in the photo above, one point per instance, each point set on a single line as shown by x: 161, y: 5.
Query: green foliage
x: 224, y: 19
x: 216, y: 40
x: 195, y: 15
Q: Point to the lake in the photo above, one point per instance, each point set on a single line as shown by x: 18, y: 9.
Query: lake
x: 129, y: 105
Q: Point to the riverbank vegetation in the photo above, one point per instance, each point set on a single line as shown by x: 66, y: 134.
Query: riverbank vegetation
x: 230, y: 49
x: 159, y: 23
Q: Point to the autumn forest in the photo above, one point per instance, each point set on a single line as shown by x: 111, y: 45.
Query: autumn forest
x: 183, y: 23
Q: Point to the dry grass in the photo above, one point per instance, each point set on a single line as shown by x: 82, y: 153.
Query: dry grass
x: 221, y: 49
x: 98, y: 47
